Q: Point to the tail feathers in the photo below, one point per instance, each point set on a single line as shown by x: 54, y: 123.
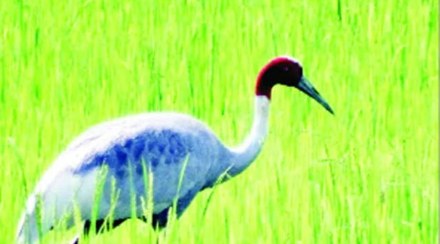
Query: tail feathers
x: 27, y: 231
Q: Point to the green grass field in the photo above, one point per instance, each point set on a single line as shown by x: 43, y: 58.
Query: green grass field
x: 367, y: 175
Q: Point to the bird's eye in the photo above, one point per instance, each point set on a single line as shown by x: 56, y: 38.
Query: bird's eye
x: 286, y: 68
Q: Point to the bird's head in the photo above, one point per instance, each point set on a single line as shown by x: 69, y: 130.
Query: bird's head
x: 286, y: 71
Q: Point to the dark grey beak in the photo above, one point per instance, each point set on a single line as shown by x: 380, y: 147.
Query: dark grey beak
x: 305, y: 86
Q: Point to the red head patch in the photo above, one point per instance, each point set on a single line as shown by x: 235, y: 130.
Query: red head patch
x: 282, y: 70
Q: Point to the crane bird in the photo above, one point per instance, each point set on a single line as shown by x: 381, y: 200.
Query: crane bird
x: 159, y: 145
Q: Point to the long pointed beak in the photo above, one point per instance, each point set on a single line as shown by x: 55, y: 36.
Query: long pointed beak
x: 305, y: 86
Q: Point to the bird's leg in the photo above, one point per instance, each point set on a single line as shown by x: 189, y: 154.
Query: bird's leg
x: 160, y: 220
x: 100, y: 228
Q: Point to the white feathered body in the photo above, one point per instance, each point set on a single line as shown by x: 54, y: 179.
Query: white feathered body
x: 164, y: 144
x: 182, y: 155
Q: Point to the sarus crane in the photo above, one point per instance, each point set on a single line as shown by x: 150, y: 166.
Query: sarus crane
x: 166, y: 156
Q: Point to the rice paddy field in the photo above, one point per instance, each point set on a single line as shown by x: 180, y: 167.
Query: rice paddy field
x: 369, y: 174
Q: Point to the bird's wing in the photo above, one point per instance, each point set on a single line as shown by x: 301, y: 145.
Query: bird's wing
x: 177, y: 150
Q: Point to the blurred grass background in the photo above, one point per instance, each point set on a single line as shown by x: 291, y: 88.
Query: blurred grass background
x: 368, y: 174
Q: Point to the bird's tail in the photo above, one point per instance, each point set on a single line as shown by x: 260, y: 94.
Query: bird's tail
x: 28, y: 230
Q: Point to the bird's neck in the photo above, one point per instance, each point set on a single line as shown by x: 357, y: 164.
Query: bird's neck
x: 245, y: 153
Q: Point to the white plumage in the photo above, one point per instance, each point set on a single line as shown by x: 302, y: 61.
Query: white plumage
x: 161, y: 145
